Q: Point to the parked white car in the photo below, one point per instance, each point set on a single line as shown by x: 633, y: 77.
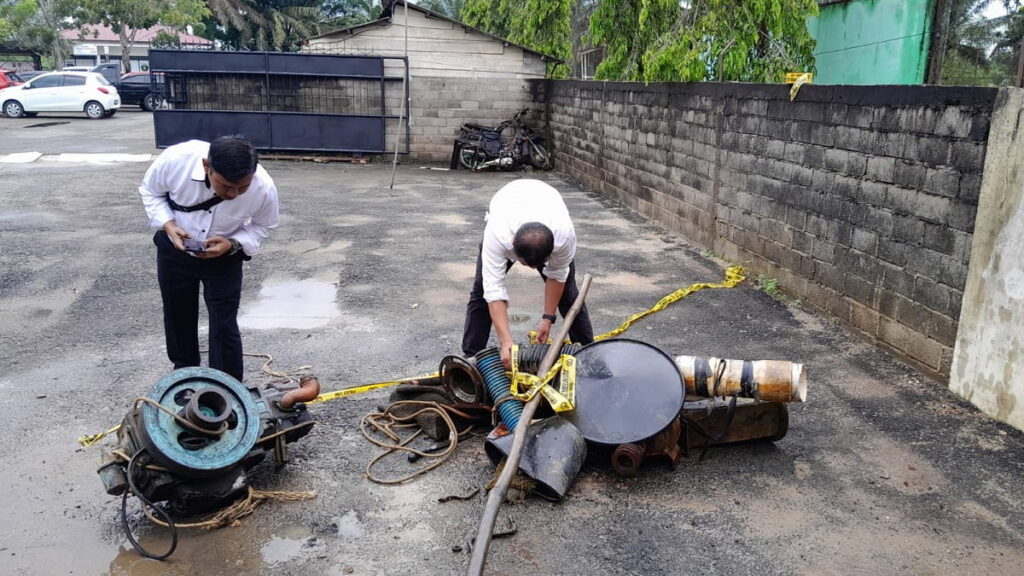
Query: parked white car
x: 62, y: 92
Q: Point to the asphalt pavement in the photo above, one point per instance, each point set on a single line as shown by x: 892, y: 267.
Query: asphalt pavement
x: 883, y: 471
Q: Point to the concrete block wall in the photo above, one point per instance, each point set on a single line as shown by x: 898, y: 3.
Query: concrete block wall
x: 861, y: 201
x: 439, y: 105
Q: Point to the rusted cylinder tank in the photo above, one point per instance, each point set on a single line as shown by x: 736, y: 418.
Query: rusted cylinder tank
x: 765, y: 380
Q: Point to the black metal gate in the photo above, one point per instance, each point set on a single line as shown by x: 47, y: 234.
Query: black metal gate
x: 279, y: 101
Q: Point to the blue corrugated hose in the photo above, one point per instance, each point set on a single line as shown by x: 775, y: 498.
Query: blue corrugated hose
x: 497, y: 382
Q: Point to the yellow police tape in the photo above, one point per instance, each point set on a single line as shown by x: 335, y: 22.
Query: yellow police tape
x: 733, y: 276
x: 327, y: 396
x: 524, y: 386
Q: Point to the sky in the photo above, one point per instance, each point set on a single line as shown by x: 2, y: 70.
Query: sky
x: 995, y: 9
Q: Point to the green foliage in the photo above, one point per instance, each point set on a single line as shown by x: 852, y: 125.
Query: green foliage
x: 127, y: 17
x: 449, y: 8
x: 279, y: 25
x: 729, y: 40
x: 35, y: 25
x: 768, y: 285
x: 164, y: 39
x: 981, y: 51
x: 492, y: 16
x: 544, y: 26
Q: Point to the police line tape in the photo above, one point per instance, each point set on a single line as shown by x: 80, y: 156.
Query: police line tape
x: 523, y: 386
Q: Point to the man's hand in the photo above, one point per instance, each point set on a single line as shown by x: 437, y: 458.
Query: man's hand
x: 216, y: 247
x: 543, y: 331
x: 177, y: 234
x: 506, y: 353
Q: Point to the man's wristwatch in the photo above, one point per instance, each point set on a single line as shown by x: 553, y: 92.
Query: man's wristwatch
x: 235, y: 246
x: 549, y: 317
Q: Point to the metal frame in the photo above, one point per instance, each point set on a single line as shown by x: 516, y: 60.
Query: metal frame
x: 269, y: 129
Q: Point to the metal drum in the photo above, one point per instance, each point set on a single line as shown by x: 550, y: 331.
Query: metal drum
x: 626, y: 391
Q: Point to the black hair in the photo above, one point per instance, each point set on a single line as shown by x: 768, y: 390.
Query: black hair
x: 233, y: 157
x: 533, y: 244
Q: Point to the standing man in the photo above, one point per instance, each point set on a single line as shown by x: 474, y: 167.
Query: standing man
x: 527, y: 223
x: 212, y: 205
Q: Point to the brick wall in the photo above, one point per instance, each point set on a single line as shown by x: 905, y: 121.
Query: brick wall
x: 859, y: 200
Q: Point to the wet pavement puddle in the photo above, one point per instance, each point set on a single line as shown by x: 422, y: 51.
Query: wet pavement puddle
x: 299, y: 305
x: 349, y: 525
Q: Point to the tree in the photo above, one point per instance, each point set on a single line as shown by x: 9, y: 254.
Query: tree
x: 127, y: 17
x: 544, y: 26
x: 34, y: 25
x: 449, y: 8
x: 492, y: 16
x: 267, y: 24
x: 734, y: 40
x: 345, y: 13
x: 982, y: 50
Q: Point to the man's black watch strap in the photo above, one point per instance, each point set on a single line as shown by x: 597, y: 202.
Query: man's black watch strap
x: 549, y: 317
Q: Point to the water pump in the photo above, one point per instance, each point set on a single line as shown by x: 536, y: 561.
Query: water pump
x: 192, y: 440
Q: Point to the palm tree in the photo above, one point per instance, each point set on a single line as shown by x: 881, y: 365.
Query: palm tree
x: 265, y: 24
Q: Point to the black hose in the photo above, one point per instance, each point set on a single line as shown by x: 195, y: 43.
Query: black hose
x: 531, y: 355
x: 145, y: 502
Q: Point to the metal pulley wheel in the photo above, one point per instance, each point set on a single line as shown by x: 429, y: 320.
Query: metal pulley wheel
x: 626, y: 391
x: 218, y: 405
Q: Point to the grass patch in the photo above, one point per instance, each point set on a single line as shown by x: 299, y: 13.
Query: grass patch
x: 768, y: 285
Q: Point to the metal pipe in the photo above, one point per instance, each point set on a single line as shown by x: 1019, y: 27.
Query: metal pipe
x: 309, y: 388
x: 765, y: 380
x: 497, y: 495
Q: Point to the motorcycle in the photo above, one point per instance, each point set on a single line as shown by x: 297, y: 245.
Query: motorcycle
x: 507, y: 146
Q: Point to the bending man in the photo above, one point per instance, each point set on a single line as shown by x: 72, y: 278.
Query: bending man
x: 527, y: 222
x: 213, y: 205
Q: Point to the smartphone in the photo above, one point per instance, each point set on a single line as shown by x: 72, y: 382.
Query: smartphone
x: 197, y: 246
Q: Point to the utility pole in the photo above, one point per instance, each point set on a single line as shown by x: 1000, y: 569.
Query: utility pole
x: 940, y: 32
x: 1020, y: 65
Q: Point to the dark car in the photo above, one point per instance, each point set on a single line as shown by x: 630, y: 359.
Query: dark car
x: 27, y: 75
x: 137, y: 88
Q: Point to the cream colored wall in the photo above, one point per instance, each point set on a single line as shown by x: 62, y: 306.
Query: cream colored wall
x: 436, y: 48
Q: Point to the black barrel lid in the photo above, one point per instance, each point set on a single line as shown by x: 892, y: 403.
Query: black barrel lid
x: 626, y: 391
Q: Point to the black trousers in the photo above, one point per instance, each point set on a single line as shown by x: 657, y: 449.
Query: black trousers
x: 477, y: 330
x: 180, y: 275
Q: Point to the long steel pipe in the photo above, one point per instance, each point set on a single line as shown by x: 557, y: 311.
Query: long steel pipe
x: 497, y: 494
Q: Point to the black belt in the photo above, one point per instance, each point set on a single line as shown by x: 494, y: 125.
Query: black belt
x: 201, y: 206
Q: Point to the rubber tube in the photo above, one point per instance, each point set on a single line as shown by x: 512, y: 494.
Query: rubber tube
x: 530, y: 356
x: 489, y: 363
x: 309, y: 388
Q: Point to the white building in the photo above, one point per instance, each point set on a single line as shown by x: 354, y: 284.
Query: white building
x: 98, y: 44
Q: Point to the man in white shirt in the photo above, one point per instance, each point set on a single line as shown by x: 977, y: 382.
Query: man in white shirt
x: 212, y: 205
x: 527, y: 222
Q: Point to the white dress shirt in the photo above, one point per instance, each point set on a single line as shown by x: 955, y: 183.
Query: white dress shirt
x: 179, y: 173
x: 517, y: 203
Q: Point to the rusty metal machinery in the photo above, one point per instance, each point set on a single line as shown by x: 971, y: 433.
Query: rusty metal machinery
x: 192, y: 440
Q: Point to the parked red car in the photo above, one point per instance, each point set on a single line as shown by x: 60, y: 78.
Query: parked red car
x: 8, y: 79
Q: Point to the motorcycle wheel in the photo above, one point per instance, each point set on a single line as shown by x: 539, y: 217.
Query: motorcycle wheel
x: 540, y: 157
x: 470, y: 158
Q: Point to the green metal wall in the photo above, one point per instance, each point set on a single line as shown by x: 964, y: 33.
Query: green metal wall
x: 872, y: 41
